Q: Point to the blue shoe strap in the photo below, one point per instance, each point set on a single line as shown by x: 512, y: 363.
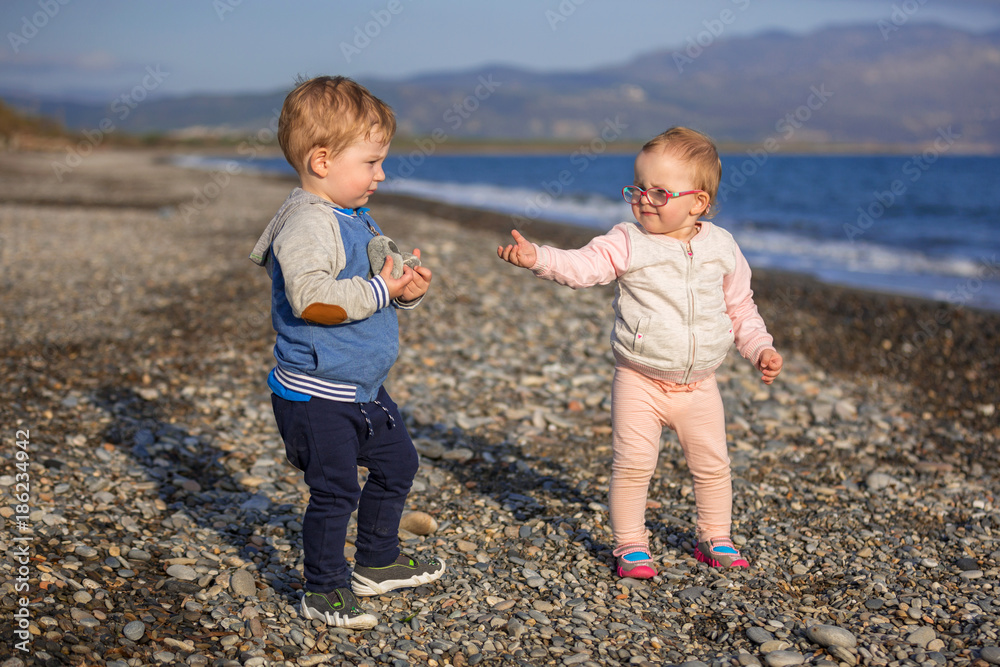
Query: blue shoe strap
x: 636, y: 556
x: 729, y: 551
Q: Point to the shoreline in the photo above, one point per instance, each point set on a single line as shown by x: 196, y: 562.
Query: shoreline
x: 959, y: 290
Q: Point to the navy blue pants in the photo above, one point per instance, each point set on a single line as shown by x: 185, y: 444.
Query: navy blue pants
x: 328, y: 440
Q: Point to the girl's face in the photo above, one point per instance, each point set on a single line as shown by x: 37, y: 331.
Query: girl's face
x: 679, y: 216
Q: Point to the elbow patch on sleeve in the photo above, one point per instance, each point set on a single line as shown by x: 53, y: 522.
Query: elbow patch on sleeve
x: 324, y: 313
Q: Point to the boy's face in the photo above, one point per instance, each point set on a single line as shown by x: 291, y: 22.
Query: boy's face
x: 354, y: 173
x: 677, y: 218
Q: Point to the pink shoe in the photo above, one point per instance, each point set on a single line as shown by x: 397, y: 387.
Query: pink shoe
x: 719, y: 552
x: 634, y: 562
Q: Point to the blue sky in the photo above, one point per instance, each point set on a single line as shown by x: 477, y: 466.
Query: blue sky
x: 98, y: 48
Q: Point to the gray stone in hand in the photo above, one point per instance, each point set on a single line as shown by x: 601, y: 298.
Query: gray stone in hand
x: 381, y: 247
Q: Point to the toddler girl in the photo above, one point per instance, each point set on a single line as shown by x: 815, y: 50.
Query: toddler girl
x: 682, y: 298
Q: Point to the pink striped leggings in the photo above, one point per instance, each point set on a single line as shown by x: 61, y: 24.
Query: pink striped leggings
x: 640, y: 408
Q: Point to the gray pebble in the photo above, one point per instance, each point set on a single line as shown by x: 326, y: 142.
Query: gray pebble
x: 846, y: 410
x: 843, y: 655
x: 182, y: 572
x: 758, y: 635
x: 921, y: 637
x: 877, y: 481
x: 241, y: 583
x: 134, y: 630
x: 967, y: 564
x: 692, y: 593
x: 381, y: 247
x: 774, y: 645
x: 990, y: 654
x: 831, y: 635
x: 784, y: 658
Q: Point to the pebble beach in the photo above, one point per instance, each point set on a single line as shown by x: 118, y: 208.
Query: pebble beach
x: 159, y: 523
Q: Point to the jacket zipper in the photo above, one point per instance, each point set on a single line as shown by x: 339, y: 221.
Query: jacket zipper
x: 371, y: 230
x: 691, y: 311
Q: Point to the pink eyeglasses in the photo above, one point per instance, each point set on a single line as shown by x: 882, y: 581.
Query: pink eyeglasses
x: 633, y: 194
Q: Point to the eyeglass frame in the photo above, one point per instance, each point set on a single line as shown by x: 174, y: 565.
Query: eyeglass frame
x: 645, y: 193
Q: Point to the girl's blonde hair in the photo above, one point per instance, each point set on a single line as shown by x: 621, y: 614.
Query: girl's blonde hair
x: 330, y: 112
x: 699, y: 152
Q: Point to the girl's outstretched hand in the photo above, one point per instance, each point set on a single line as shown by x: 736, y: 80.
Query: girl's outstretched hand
x: 770, y: 365
x: 521, y: 253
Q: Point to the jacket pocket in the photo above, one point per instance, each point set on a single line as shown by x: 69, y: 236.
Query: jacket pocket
x: 714, y: 341
x: 640, y: 334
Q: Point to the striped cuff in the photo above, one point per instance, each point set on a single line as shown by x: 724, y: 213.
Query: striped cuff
x: 380, y: 291
x: 313, y: 386
x: 541, y: 265
x: 758, y: 349
x: 407, y: 305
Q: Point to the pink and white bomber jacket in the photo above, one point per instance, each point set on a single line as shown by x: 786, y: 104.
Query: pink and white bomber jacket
x: 678, y: 306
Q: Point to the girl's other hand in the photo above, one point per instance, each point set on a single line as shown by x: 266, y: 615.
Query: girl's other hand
x: 770, y: 365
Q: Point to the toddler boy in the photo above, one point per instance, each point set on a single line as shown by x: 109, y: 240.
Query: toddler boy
x: 337, y: 336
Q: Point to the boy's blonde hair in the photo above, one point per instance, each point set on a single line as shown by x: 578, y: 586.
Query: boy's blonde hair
x: 699, y: 152
x: 330, y: 112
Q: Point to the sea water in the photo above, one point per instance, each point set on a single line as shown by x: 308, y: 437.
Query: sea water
x: 925, y: 225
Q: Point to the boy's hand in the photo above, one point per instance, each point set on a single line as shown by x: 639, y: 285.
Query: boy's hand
x: 521, y: 254
x: 770, y: 365
x: 396, y: 286
x: 420, y: 283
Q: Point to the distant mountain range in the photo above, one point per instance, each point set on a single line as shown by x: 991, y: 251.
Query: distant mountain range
x: 862, y: 84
